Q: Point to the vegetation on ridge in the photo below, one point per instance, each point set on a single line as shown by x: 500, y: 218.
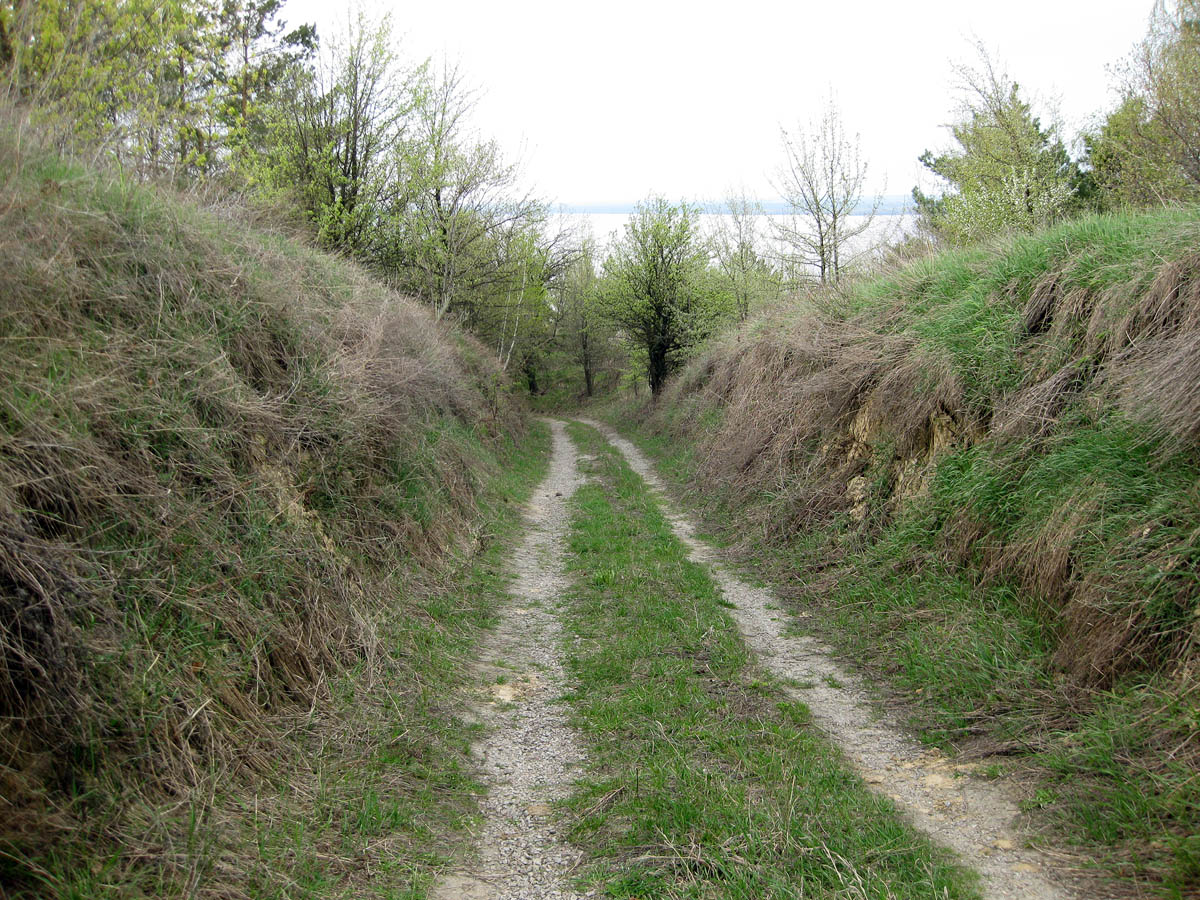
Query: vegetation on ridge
x: 252, y: 503
x: 985, y: 467
x: 234, y: 476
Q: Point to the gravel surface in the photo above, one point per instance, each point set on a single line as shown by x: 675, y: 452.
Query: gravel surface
x: 530, y: 756
x: 974, y: 817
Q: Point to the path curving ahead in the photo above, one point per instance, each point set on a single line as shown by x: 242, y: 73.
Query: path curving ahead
x: 530, y: 755
x: 975, y: 818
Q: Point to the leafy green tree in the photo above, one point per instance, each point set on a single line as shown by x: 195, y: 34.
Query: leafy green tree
x: 383, y: 159
x: 7, y: 48
x: 335, y: 133
x: 1167, y: 75
x: 515, y: 314
x: 1007, y: 173
x: 652, y: 285
x: 584, y: 333
x: 461, y: 205
x: 131, y: 76
x: 173, y: 131
x: 1147, y: 150
x: 167, y: 86
x: 379, y: 154
x: 259, y: 52
x: 1130, y: 158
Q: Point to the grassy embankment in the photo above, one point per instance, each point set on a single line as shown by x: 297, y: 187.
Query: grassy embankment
x: 705, y: 780
x: 252, y: 513
x: 985, y: 470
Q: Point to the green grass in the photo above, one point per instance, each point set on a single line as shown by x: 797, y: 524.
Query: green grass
x: 974, y: 663
x: 705, y: 779
x: 1037, y: 596
x: 392, y: 813
x: 263, y: 505
x: 968, y: 303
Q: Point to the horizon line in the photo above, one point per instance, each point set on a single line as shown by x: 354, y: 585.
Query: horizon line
x: 889, y: 204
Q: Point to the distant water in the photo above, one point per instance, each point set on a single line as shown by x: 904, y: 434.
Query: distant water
x: 607, y: 226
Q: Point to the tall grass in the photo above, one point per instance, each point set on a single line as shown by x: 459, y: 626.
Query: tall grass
x: 986, y: 466
x: 235, y: 475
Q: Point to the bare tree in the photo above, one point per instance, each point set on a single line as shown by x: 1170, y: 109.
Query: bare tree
x: 737, y: 245
x: 822, y: 181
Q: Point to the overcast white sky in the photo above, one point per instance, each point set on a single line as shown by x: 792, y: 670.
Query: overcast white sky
x: 609, y: 101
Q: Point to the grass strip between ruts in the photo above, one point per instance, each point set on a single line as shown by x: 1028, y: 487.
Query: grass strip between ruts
x: 705, y: 779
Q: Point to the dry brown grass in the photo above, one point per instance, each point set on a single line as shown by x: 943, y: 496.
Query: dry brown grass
x: 992, y: 453
x: 822, y: 398
x: 803, y: 405
x: 230, y: 468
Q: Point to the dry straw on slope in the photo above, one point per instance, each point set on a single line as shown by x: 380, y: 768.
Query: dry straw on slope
x: 227, y: 463
x: 844, y: 403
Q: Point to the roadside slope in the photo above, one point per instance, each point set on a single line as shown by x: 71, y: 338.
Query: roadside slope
x: 251, y: 505
x: 982, y: 471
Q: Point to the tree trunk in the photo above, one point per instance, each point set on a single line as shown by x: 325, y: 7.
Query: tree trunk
x: 585, y: 360
x: 530, y: 376
x: 658, y: 367
x: 6, y: 46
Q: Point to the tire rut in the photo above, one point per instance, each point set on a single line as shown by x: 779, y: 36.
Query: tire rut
x: 530, y: 756
x: 966, y: 813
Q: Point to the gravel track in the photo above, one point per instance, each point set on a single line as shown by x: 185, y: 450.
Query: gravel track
x: 972, y: 816
x: 530, y: 756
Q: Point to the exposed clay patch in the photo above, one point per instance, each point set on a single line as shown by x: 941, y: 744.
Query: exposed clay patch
x: 530, y: 756
x: 511, y: 691
x: 974, y: 817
